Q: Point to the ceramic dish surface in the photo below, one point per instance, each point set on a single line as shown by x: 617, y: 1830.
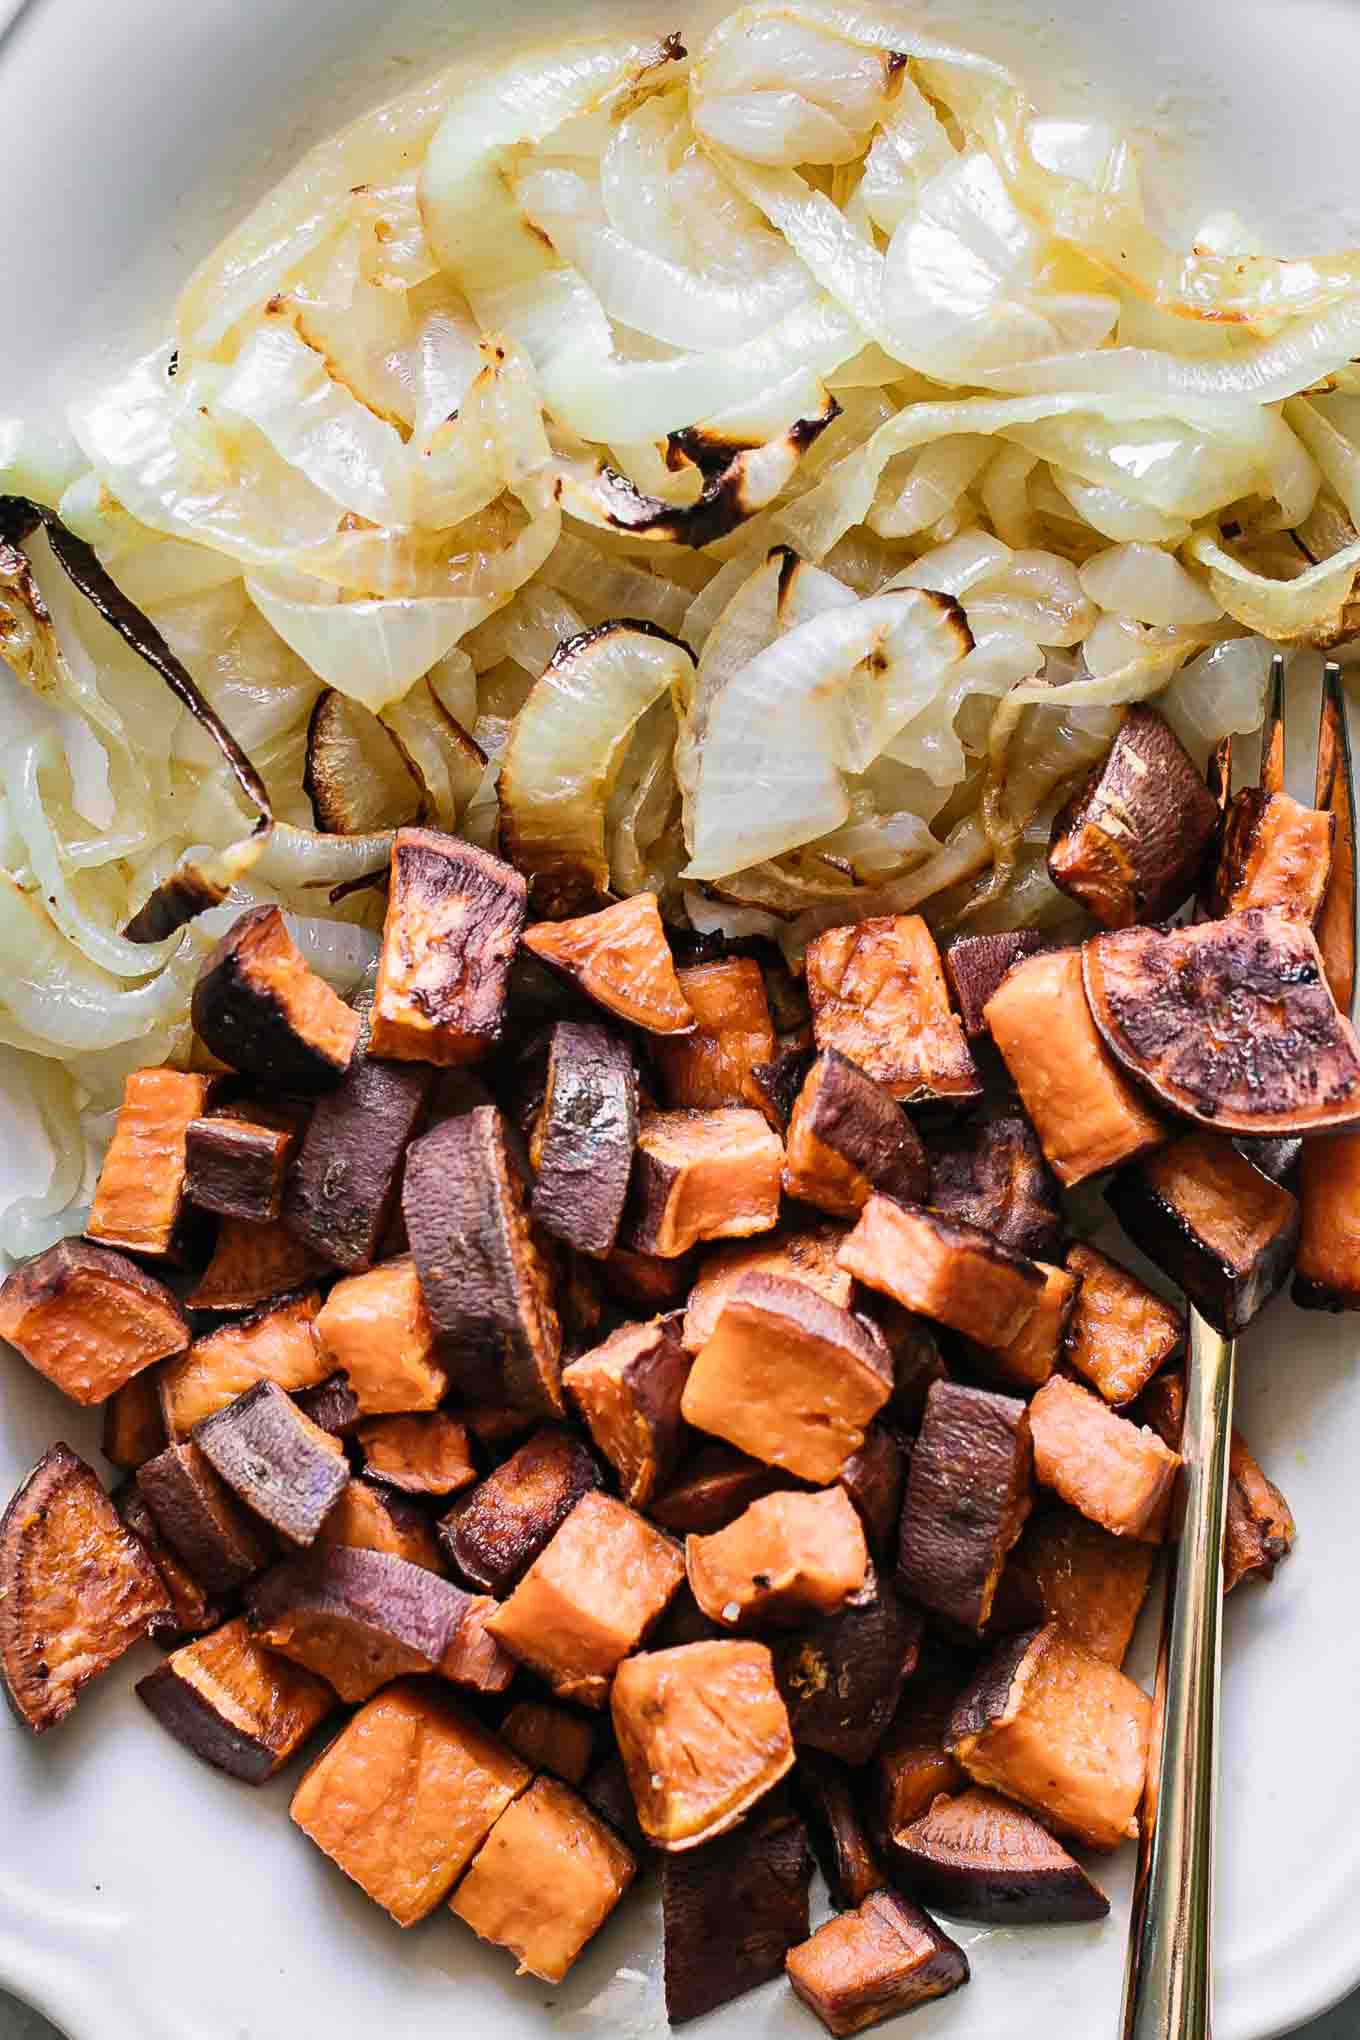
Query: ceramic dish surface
x: 145, y: 1897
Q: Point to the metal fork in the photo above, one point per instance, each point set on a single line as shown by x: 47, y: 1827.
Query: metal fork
x: 1168, y: 1984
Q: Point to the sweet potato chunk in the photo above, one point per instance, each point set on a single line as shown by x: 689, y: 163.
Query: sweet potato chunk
x: 252, y: 1265
x: 1091, y: 1583
x: 1130, y: 844
x: 545, y: 1880
x: 841, y: 1677
x: 277, y: 1344
x: 703, y: 1735
x: 485, y: 1282
x: 140, y: 1194
x: 714, y: 1488
x: 274, y: 1459
x: 259, y: 1008
x: 702, y: 1176
x: 370, y: 1517
x: 493, y: 1535
x: 994, y: 1176
x: 788, y: 1378
x: 421, y: 1455
x: 874, y: 1478
x: 374, y: 1328
x: 627, y: 1392
x: 77, y: 1589
x: 1327, y: 1267
x: 332, y: 1406
x: 239, y: 1707
x: 912, y: 1766
x: 406, y: 1795
x: 872, y: 1964
x: 808, y: 1256
x: 134, y: 1429
x: 826, y: 1793
x: 551, y: 1738
x: 980, y: 1857
x: 1063, y: 1732
x: 454, y: 917
x: 731, y: 1911
x: 969, y: 1492
x: 1276, y: 853
x: 589, y: 1598
x: 192, y: 1609
x: 621, y: 959
x: 788, y: 1556
x: 951, y: 1273
x: 1028, y: 1359
x: 847, y: 1137
x: 1100, y: 1463
x: 236, y: 1166
x: 648, y: 1280
x: 584, y: 1136
x: 974, y: 967
x: 1121, y: 1331
x: 878, y: 995
x: 201, y: 1520
x: 714, y: 1063
x: 1086, y: 1112
x: 88, y: 1319
x: 1259, y: 1527
x: 1220, y: 1229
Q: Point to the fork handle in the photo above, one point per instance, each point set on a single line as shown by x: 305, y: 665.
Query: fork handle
x: 1168, y: 1985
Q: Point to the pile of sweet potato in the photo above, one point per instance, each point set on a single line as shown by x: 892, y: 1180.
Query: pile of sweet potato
x: 632, y: 1401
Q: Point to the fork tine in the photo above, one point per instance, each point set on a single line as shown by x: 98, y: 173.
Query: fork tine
x: 1334, y: 790
x: 1272, y: 731
x: 1218, y: 772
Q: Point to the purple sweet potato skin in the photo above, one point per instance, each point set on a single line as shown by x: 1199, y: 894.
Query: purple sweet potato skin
x: 493, y: 1534
x: 260, y: 1446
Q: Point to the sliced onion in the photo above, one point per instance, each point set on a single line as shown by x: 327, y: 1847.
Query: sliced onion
x: 1112, y: 513
x: 61, y: 998
x: 372, y: 651
x: 449, y: 763
x: 1150, y: 586
x: 357, y: 775
x: 1312, y: 602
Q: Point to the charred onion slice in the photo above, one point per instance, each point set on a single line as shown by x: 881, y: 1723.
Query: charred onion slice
x: 1230, y: 1023
x: 357, y: 776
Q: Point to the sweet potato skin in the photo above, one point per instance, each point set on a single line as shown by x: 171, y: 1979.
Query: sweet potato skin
x: 993, y: 1175
x: 847, y: 1138
x: 952, y: 1273
x: 841, y: 1678
x: 878, y: 995
x: 1129, y: 845
x: 551, y: 1738
x: 493, y: 1534
x: 969, y: 1493
x: 251, y: 1265
x: 587, y: 1130
x: 89, y: 1319
x: 236, y: 1166
x: 885, y: 1958
x: 259, y: 1008
x: 140, y: 1194
x: 627, y: 1392
x: 808, y: 1255
x: 275, y: 1460
x: 974, y: 967
x: 203, y: 1523
x: 371, y: 1517
x: 731, y: 1911
x: 454, y: 918
x: 239, y: 1707
x: 134, y: 1429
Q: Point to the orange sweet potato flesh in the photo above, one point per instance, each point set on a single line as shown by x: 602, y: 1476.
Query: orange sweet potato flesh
x: 1063, y: 1732
x: 454, y: 917
x: 545, y: 1880
x: 134, y: 1429
x: 1088, y: 1115
x: 734, y: 1035
x: 377, y: 1331
x: 276, y: 1345
x: 1100, y: 1463
x: 911, y: 1765
x: 240, y: 1707
x: 1259, y: 1525
x: 1276, y: 853
x: 954, y: 1274
x: 788, y: 1556
x: 251, y: 1264
x: 702, y: 1176
x: 1028, y: 1359
x: 258, y: 1007
x: 1092, y: 1584
x: 808, y: 1256
x: 88, y: 1319
x: 141, y: 1185
x: 367, y: 1519
x: 1121, y: 1331
x: 406, y: 1795
x: 885, y: 1958
x: 1327, y: 1266
x: 550, y: 1738
x: 878, y: 995
x: 703, y: 1734
x: 621, y: 959
x: 421, y: 1455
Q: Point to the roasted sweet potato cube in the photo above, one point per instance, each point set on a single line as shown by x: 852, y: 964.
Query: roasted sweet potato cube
x: 586, y: 1131
x: 712, y: 1490
x: 425, y: 1454
x: 878, y: 995
x: 493, y: 1535
x: 1259, y: 1527
x: 950, y: 1273
x: 1100, y: 1463
x: 454, y: 918
x: 89, y: 1319
x: 621, y: 959
x: 486, y: 1284
x: 993, y: 1175
x: 842, y: 1677
x: 789, y: 1556
x: 1060, y: 1730
x: 981, y: 1857
x: 969, y: 1491
x: 342, y: 1192
x: 805, y: 1256
x: 1120, y: 1331
x: 134, y: 1429
x: 201, y: 1520
x: 77, y: 1589
x: 589, y: 1598
x: 826, y: 1792
x: 627, y: 1392
x: 285, y: 1469
x: 885, y: 1958
x: 406, y: 1795
x: 370, y: 1517
x: 241, y: 1708
x: 1091, y: 1583
x: 259, y: 1008
x: 848, y: 1137
x: 975, y: 965
x: 1220, y: 1229
x: 780, y: 1081
x: 545, y: 1880
x: 875, y: 1479
x: 912, y: 1765
x: 733, y: 1035
x: 1327, y: 1266
x: 374, y: 1328
x: 914, y: 1348
x: 551, y: 1738
x: 140, y: 1194
x: 332, y: 1406
x: 649, y: 1281
x: 192, y: 1609
x: 702, y: 1176
x: 1130, y: 843
x: 236, y: 1166
x: 1275, y: 853
x: 1031, y: 1356
x: 788, y: 1378
x: 703, y: 1734
x: 731, y: 1911
x: 275, y: 1344
x: 253, y: 1265
x: 1088, y: 1115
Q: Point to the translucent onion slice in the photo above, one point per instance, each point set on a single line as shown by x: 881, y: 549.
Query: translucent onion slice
x: 62, y: 999
x: 742, y: 99
x: 1311, y: 603
x: 374, y: 651
x: 1149, y: 585
x: 437, y: 745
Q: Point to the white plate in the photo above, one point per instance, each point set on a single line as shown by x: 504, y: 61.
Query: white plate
x: 142, y: 1897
